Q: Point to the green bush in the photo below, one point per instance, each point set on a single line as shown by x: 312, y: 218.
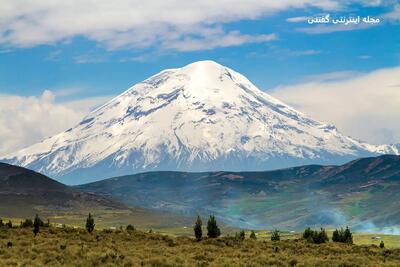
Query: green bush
x: 90, y: 223
x: 37, y: 222
x: 315, y: 236
x: 198, y: 232
x: 342, y: 236
x: 28, y: 223
x: 275, y: 235
x: 240, y: 236
x: 130, y: 227
x: 213, y: 230
x: 253, y: 235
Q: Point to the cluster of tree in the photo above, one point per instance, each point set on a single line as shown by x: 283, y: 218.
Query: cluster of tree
x: 29, y: 223
x: 342, y: 236
x: 213, y: 230
x: 7, y: 224
x: 315, y: 236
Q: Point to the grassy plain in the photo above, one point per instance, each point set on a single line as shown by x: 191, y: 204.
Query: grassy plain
x: 75, y: 247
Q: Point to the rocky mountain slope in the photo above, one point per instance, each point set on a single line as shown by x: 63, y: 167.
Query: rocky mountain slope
x: 364, y: 193
x: 202, y: 117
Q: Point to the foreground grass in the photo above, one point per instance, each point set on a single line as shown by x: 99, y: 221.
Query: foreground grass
x: 76, y: 247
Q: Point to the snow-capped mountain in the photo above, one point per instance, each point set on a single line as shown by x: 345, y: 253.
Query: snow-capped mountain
x: 201, y: 117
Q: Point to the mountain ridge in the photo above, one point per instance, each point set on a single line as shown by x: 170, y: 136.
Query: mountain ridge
x: 363, y: 193
x: 201, y: 117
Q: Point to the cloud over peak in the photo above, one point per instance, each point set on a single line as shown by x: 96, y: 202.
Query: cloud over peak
x: 170, y: 24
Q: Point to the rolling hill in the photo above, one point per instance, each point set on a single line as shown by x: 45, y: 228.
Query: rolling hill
x: 23, y: 193
x: 364, y: 193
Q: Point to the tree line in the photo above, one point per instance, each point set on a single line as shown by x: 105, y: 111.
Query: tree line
x: 213, y: 231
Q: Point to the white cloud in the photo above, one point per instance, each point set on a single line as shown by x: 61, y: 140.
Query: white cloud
x: 309, y: 52
x: 27, y: 120
x: 137, y: 23
x: 393, y: 15
x: 322, y: 29
x: 365, y: 106
x: 297, y: 19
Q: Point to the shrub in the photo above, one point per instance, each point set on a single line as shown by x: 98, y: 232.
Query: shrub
x: 253, y: 235
x: 37, y: 222
x: 1, y: 223
x: 315, y: 236
x: 213, y: 230
x: 240, y: 236
x: 198, y: 232
x: 308, y: 233
x: 130, y: 227
x: 275, y: 235
x: 9, y: 224
x: 90, y: 223
x: 342, y: 236
x: 382, y: 245
x: 27, y: 223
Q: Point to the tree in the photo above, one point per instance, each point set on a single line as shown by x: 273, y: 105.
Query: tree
x: 9, y: 224
x: 342, y: 236
x: 382, y: 245
x: 1, y: 223
x: 198, y: 232
x: 90, y: 223
x: 241, y: 235
x: 320, y: 237
x: 130, y: 227
x: 253, y: 235
x: 275, y: 235
x: 308, y: 233
x: 348, y: 236
x: 37, y: 222
x: 27, y: 223
x: 212, y: 228
x: 335, y: 236
x: 315, y: 236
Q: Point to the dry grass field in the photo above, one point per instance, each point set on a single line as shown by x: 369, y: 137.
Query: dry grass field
x: 75, y: 247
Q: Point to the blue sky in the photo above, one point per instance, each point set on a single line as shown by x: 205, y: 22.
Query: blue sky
x: 77, y: 62
x: 77, y: 51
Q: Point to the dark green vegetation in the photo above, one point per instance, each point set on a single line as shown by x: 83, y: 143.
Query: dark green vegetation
x: 198, y: 232
x: 213, y: 230
x: 275, y: 236
x: 364, y: 190
x: 76, y: 247
x: 316, y: 237
x: 343, y: 236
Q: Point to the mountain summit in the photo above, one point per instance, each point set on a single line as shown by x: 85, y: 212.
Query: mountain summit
x: 201, y: 117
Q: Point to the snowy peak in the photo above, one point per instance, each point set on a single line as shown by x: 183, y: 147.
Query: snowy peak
x: 200, y: 117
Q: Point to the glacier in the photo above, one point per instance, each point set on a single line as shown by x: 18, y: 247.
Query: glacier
x: 201, y: 117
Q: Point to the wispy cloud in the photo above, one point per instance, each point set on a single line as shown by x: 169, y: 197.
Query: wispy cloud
x: 233, y: 38
x: 27, y: 120
x: 297, y: 19
x: 309, y: 52
x: 393, y: 15
x: 89, y: 58
x: 364, y: 57
x: 323, y: 29
x: 362, y: 105
x: 136, y: 23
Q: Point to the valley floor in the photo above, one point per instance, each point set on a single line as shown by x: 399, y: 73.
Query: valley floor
x: 75, y: 247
